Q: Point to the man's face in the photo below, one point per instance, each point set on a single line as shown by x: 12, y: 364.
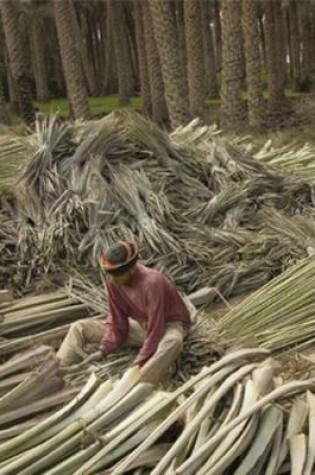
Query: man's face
x: 123, y: 279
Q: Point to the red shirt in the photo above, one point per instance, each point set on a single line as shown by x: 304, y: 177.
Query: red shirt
x: 152, y: 300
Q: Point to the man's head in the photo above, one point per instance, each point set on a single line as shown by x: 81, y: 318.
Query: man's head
x: 119, y: 262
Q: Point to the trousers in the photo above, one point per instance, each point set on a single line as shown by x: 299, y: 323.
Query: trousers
x: 91, y: 331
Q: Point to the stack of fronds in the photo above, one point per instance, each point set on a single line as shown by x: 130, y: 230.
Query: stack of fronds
x: 279, y: 316
x: 31, y: 386
x: 191, y: 199
x: 290, y: 159
x: 229, y: 418
x: 27, y: 323
x: 38, y: 319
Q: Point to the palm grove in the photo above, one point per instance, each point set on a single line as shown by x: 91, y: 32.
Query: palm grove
x: 177, y: 54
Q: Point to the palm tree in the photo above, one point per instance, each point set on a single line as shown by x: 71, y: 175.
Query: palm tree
x: 123, y: 62
x: 142, y: 59
x: 54, y: 65
x: 159, y: 109
x: 232, y: 108
x: 217, y: 33
x: 110, y: 82
x: 4, y: 115
x: 253, y: 66
x: 79, y: 20
x: 71, y: 60
x: 13, y: 100
x: 195, y: 56
x: 295, y: 43
x: 18, y: 58
x: 180, y: 28
x: 38, y: 54
x: 174, y: 82
x: 275, y: 53
x: 306, y: 33
x: 208, y: 48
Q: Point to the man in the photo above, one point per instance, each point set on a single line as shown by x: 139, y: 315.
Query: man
x: 145, y: 310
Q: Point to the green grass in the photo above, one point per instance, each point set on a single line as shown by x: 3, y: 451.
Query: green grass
x: 98, y: 105
x: 289, y: 93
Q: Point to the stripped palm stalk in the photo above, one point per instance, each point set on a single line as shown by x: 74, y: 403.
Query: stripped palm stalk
x: 279, y: 315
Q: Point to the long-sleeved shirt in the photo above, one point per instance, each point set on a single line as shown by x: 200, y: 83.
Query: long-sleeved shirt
x: 152, y: 300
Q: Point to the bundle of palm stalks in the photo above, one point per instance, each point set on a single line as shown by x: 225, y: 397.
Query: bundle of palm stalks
x: 31, y: 387
x: 298, y: 161
x: 38, y: 319
x: 198, y: 350
x: 29, y: 323
x: 229, y: 418
x: 280, y: 315
x: 194, y: 202
x: 199, y: 346
x: 13, y: 153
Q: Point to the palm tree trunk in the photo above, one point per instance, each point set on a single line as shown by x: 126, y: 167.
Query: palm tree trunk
x: 165, y: 34
x: 287, y: 41
x: 96, y: 49
x: 131, y: 43
x: 312, y: 39
x: 208, y: 48
x: 181, y: 38
x: 71, y: 59
x: 121, y: 52
x: 110, y: 84
x: 262, y: 38
x: 18, y: 58
x: 4, y: 115
x: 82, y: 39
x: 253, y: 66
x: 273, y: 30
x: 159, y: 109
x: 195, y: 56
x: 103, y: 45
x: 306, y: 39
x: 295, y: 44
x: 217, y: 33
x: 56, y: 73
x: 232, y: 107
x: 38, y: 56
x: 13, y: 100
x: 142, y: 59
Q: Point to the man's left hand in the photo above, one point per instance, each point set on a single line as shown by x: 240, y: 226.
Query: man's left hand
x: 96, y: 356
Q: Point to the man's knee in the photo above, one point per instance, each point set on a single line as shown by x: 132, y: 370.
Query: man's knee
x: 77, y: 327
x: 174, y: 343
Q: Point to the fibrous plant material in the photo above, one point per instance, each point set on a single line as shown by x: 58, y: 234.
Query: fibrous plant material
x: 299, y: 161
x: 37, y: 319
x: 113, y: 427
x: 198, y: 205
x: 278, y: 316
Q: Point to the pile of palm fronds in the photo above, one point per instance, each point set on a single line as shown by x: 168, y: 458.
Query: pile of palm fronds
x: 38, y: 319
x: 280, y: 315
x: 31, y: 387
x: 229, y: 418
x: 298, y: 161
x: 27, y: 323
x: 13, y: 153
x: 203, y: 209
x: 198, y: 350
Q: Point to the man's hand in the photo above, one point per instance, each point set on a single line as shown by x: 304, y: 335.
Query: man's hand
x: 134, y: 363
x: 96, y: 356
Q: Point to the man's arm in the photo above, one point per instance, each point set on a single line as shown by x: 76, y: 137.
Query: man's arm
x: 156, y: 325
x: 116, y: 325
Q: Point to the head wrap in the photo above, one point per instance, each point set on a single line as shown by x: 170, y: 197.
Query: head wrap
x: 114, y: 268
